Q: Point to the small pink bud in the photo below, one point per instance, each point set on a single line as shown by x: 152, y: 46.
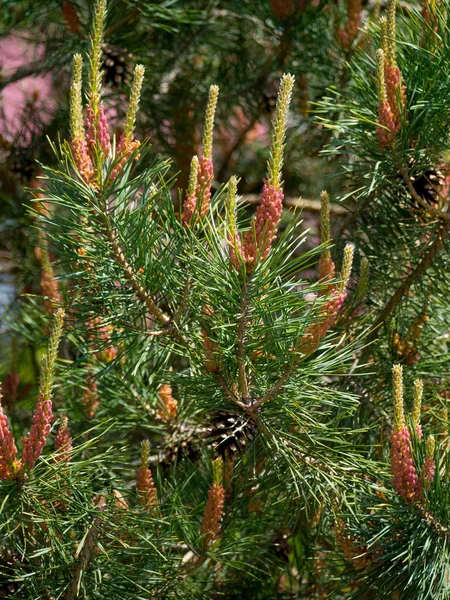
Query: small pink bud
x: 63, y: 442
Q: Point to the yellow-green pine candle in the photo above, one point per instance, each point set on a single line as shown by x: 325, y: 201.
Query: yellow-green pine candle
x: 327, y: 268
x: 207, y: 142
x: 95, y: 75
x: 231, y: 206
x: 193, y: 175
x: 429, y: 465
x: 48, y: 363
x: 346, y: 266
x: 399, y: 413
x: 382, y: 94
x: 79, y: 146
x: 190, y: 202
x: 275, y: 162
x: 76, y: 103
x: 325, y: 221
x: 133, y: 106
x: 417, y: 406
x: 390, y: 33
x: 383, y: 35
x: 430, y: 446
x: 234, y: 242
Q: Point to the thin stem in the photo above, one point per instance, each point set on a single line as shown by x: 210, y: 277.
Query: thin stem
x: 276, y: 388
x: 227, y: 391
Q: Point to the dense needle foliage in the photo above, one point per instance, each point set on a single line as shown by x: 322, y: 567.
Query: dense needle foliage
x: 224, y: 405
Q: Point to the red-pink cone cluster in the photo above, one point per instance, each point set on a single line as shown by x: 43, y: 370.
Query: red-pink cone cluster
x: 124, y: 151
x: 37, y: 438
x: 212, y: 517
x: 234, y: 249
x: 257, y: 242
x: 327, y: 269
x: 97, y: 131
x: 429, y: 469
x: 82, y: 159
x: 199, y: 201
x: 347, y: 34
x: 144, y: 481
x: 205, y: 178
x: 168, y: 404
x: 146, y: 487
x: 391, y: 90
x: 317, y: 331
x: 430, y: 14
x: 42, y: 417
x: 63, y: 442
x: 405, y: 479
x: 8, y: 450
x: 198, y: 198
x: 91, y: 142
x: 396, y: 94
x: 386, y: 129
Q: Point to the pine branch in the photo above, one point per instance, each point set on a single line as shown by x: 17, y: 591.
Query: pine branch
x: 128, y: 272
x: 85, y: 554
x: 403, y: 289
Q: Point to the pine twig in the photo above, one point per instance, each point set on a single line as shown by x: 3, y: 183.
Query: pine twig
x: 415, y: 274
x: 275, y: 389
x: 141, y: 293
x: 128, y: 272
x: 85, y: 553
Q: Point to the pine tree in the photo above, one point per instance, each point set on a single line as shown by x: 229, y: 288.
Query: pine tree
x: 235, y: 412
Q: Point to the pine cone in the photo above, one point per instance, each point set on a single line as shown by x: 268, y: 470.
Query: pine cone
x: 430, y: 185
x: 183, y: 443
x: 116, y: 65
x: 229, y: 433
x: 8, y: 562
